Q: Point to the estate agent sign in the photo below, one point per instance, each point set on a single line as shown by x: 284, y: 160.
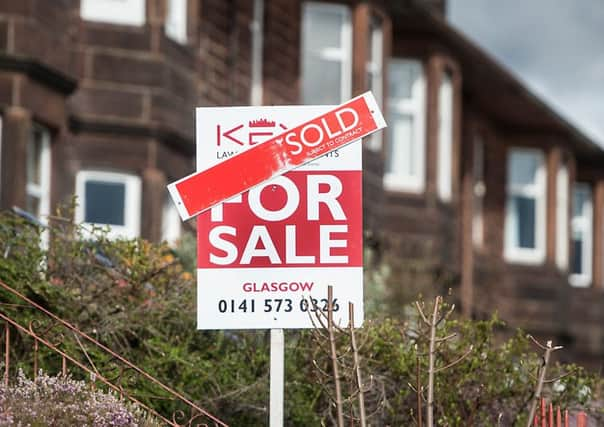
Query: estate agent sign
x: 266, y: 256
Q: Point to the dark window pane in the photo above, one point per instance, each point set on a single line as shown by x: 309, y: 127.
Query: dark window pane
x: 525, y: 214
x: 105, y: 202
x: 577, y: 264
x: 34, y: 154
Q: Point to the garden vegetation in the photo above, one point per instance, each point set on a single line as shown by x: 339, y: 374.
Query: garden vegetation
x: 138, y: 299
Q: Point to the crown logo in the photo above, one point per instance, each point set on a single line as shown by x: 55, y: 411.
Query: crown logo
x: 262, y: 123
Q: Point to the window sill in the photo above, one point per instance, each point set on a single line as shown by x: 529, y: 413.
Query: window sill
x: 413, y: 189
x: 579, y: 280
x: 115, y: 25
x: 524, y: 257
x: 112, y: 231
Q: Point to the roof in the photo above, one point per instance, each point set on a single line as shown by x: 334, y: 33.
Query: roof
x: 488, y: 84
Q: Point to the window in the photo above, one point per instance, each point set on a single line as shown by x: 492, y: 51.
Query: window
x: 126, y: 12
x: 171, y: 224
x: 445, y: 137
x: 406, y: 145
x: 176, y: 20
x: 37, y: 191
x: 109, y: 198
x: 562, y: 203
x: 525, y: 213
x: 479, y: 192
x: 374, y: 68
x: 581, y: 226
x: 326, y: 53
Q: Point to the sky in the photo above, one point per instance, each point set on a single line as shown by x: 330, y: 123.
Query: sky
x: 555, y: 47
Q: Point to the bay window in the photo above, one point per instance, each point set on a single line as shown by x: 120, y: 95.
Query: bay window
x: 525, y: 208
x: 406, y: 145
x: 582, y: 229
x: 109, y: 199
x: 326, y: 53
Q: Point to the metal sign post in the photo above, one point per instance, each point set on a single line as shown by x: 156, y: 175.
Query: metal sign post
x: 277, y: 378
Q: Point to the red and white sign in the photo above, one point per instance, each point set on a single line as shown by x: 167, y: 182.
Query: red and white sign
x: 267, y: 256
x: 281, y: 152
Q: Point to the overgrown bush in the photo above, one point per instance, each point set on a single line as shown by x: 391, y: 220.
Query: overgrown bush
x: 63, y: 401
x: 139, y: 299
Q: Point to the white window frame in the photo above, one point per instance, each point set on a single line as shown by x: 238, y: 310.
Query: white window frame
x: 374, y: 68
x: 536, y: 190
x: 562, y: 223
x: 445, y: 137
x: 257, y: 30
x: 341, y: 54
x: 121, y: 12
x: 584, y: 224
x: 171, y: 229
x: 479, y: 190
x: 41, y: 190
x: 132, y: 202
x: 416, y: 107
x: 176, y: 25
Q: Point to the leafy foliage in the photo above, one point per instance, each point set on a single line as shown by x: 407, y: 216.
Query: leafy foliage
x: 138, y: 299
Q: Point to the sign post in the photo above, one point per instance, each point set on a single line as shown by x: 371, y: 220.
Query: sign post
x: 267, y: 256
x: 277, y: 378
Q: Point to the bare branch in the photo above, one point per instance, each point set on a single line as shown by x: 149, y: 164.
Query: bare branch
x: 461, y: 358
x: 537, y: 343
x: 446, y: 315
x: 448, y: 337
x: 334, y: 358
x: 421, y: 313
x: 559, y: 377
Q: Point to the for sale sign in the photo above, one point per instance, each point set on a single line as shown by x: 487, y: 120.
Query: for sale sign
x: 267, y: 256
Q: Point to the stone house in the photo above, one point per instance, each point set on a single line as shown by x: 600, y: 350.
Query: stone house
x: 475, y: 176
